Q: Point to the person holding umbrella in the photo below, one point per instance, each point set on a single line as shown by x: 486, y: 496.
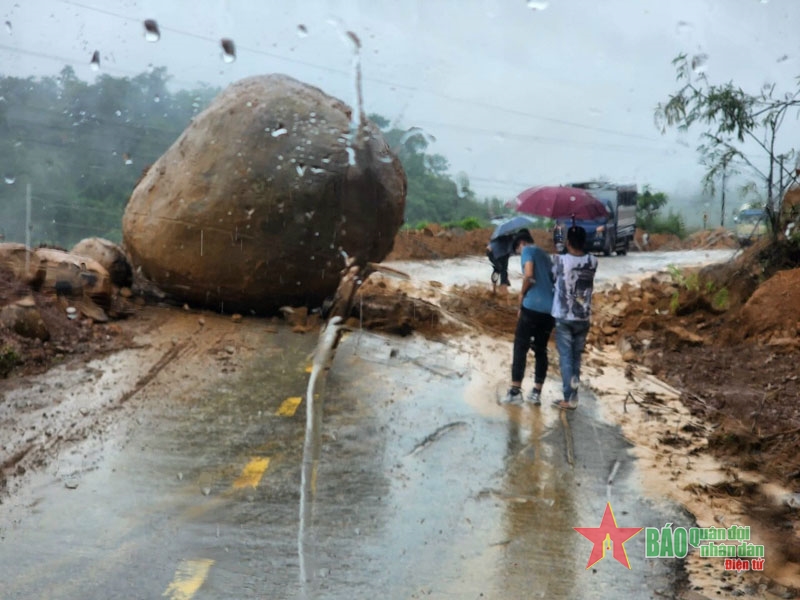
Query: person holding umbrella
x: 500, y: 248
x: 534, y: 321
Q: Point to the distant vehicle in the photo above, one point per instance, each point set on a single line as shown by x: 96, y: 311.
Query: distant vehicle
x: 614, y: 233
x: 595, y: 233
x: 751, y: 224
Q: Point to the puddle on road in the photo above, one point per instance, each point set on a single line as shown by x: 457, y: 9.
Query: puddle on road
x: 425, y: 486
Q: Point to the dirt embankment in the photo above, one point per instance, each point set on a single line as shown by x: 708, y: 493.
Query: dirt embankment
x: 434, y: 242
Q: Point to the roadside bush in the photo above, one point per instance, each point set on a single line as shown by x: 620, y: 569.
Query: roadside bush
x: 672, y: 223
x: 468, y: 224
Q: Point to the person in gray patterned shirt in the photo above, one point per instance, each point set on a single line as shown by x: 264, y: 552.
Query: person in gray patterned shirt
x: 572, y: 308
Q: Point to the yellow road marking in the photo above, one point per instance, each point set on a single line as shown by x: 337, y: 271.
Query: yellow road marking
x: 189, y: 576
x: 252, y: 472
x: 289, y: 406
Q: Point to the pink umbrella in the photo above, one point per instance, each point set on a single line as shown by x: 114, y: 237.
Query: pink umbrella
x: 557, y: 202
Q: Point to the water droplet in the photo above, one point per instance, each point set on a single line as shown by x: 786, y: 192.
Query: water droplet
x: 228, y: 50
x: 127, y: 158
x: 301, y: 170
x: 151, y: 31
x: 538, y: 4
x: 8, y: 27
x: 414, y: 131
x: 354, y: 39
x: 351, y: 156
x: 783, y: 58
x: 9, y: 180
x: 95, y: 64
x: 180, y: 476
x: 279, y: 132
x: 302, y: 31
x: 700, y: 63
x: 118, y: 113
x: 206, y: 491
x: 157, y: 99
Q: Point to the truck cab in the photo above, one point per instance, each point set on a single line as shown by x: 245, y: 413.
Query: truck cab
x: 614, y: 233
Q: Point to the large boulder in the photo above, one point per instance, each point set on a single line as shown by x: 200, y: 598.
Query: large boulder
x: 254, y: 206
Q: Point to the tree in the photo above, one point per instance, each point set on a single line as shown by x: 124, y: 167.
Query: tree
x: 737, y: 122
x: 433, y: 194
x: 648, y: 204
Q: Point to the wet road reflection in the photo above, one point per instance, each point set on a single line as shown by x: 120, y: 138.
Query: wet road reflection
x: 417, y: 492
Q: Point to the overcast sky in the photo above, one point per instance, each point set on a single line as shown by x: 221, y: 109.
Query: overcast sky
x: 515, y: 92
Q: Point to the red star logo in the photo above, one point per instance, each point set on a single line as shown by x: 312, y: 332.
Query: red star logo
x: 607, y: 534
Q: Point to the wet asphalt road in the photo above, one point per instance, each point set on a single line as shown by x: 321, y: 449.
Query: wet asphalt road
x: 426, y: 488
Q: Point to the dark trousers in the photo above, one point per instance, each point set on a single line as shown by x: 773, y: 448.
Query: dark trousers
x: 533, y: 331
x: 500, y: 266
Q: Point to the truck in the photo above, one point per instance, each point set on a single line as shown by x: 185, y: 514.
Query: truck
x: 615, y: 232
x: 752, y: 223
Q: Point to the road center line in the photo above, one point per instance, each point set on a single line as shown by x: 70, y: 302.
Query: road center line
x: 289, y: 406
x: 189, y: 576
x: 252, y: 473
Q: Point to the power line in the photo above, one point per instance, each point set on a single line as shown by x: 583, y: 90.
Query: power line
x: 392, y: 84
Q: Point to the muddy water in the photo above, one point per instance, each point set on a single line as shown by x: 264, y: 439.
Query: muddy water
x: 426, y: 487
x: 618, y: 269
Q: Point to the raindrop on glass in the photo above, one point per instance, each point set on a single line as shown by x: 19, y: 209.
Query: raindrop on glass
x: 228, y: 50
x: 118, y: 113
x: 95, y: 64
x: 8, y: 27
x: 279, y: 132
x: 783, y: 58
x: 537, y: 4
x: 9, y: 180
x: 354, y: 39
x: 206, y: 491
x: 700, y: 63
x: 151, y: 31
x: 301, y: 170
x: 157, y: 99
x: 302, y: 31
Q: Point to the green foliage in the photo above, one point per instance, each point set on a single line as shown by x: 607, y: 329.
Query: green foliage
x: 467, y: 224
x: 8, y: 360
x: 433, y: 195
x: 736, y: 122
x: 82, y: 147
x: 672, y: 223
x: 648, y: 205
x: 721, y: 300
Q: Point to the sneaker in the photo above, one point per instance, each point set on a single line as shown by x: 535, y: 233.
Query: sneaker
x: 564, y: 405
x: 514, y: 396
x: 535, y: 397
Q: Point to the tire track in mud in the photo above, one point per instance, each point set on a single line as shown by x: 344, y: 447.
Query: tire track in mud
x: 67, y: 428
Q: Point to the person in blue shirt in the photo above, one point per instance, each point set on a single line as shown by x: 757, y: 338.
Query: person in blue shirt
x: 534, y: 321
